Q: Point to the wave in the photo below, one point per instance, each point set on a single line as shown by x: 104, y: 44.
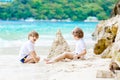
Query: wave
x: 42, y: 42
x: 14, y: 33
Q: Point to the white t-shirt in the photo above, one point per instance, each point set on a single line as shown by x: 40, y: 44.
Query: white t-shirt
x: 80, y: 46
x: 26, y: 49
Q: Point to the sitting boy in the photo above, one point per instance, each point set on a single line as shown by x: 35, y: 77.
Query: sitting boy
x: 27, y: 52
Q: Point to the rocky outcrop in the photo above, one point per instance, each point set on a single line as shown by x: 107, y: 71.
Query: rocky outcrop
x: 59, y: 45
x: 116, y: 10
x: 107, y: 36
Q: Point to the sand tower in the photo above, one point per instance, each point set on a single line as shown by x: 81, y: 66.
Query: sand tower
x: 59, y: 45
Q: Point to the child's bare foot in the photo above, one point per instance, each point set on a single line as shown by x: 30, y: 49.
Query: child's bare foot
x: 49, y: 62
x: 46, y: 60
x: 82, y: 58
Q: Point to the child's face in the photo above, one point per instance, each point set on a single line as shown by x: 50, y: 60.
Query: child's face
x: 76, y: 38
x: 33, y: 39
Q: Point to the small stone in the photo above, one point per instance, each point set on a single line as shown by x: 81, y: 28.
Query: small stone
x: 104, y: 74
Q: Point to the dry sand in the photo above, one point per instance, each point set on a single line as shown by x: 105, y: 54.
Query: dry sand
x: 12, y: 69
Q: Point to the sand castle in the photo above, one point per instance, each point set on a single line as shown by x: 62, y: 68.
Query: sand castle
x: 59, y: 45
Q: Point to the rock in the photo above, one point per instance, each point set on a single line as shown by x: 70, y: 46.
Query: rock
x: 116, y: 10
x: 117, y: 74
x: 59, y: 45
x: 100, y: 46
x: 107, y: 36
x: 114, y: 66
x: 104, y: 74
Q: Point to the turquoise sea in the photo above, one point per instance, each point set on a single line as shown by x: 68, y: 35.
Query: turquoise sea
x: 14, y: 33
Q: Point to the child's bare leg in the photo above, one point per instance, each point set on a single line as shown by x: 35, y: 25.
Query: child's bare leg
x: 34, y: 57
x: 31, y: 60
x: 68, y: 55
x: 63, y: 56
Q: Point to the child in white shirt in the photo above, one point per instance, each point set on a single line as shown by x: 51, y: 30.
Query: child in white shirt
x: 80, y: 49
x: 27, y: 52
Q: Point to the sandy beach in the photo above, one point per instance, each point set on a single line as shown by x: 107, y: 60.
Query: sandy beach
x: 12, y: 69
x: 55, y: 21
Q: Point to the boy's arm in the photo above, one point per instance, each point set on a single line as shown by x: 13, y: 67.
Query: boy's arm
x: 82, y: 53
x: 33, y: 54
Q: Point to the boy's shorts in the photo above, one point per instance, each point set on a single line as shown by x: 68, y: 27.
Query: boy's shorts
x: 23, y: 59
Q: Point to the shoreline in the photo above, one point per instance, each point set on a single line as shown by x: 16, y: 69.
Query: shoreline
x: 15, y: 50
x: 41, y: 50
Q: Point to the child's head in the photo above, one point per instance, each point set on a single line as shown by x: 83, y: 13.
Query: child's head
x: 77, y: 32
x: 33, y: 34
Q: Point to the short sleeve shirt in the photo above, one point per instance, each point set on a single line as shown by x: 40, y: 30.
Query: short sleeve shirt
x: 26, y: 49
x: 80, y: 46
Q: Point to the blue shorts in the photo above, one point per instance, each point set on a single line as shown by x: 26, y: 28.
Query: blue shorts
x: 23, y: 59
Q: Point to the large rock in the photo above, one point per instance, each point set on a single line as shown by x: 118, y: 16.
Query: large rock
x: 59, y: 45
x: 116, y: 9
x: 107, y: 36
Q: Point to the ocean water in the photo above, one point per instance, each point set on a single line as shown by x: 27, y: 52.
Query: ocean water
x: 14, y: 33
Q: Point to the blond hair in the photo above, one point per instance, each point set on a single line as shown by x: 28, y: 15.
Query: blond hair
x: 33, y: 34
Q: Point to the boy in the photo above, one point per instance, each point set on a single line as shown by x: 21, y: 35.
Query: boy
x: 27, y: 52
x: 80, y: 49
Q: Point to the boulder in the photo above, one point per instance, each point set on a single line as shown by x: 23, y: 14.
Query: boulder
x: 116, y: 9
x: 107, y: 36
x: 59, y: 45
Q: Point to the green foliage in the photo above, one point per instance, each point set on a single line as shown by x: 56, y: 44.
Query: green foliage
x: 76, y: 10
